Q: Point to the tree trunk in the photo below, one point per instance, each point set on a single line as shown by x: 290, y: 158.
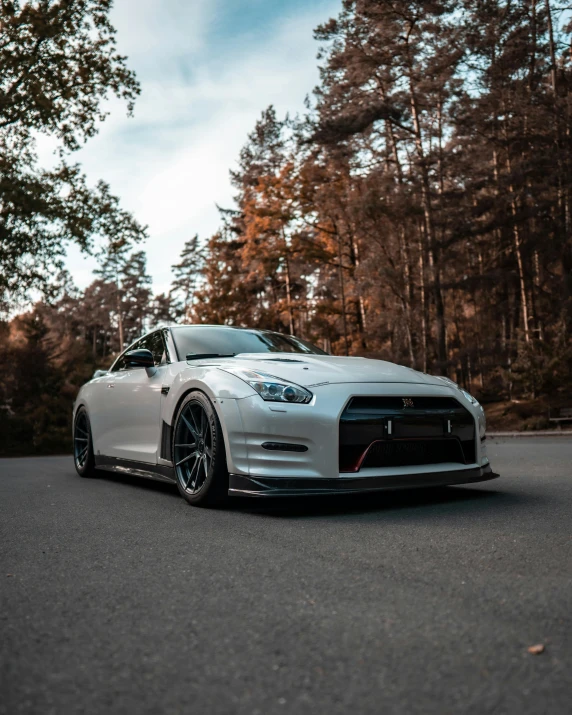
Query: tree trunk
x: 119, y: 317
x: 553, y: 75
x: 404, y: 253
x: 518, y: 254
x: 423, y: 300
x: 432, y: 250
x: 343, y: 294
x: 289, y: 298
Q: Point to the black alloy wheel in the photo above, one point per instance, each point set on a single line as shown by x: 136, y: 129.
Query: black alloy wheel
x: 83, y: 445
x: 198, y: 452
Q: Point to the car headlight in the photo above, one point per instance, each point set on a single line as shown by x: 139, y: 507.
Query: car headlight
x: 448, y: 381
x: 482, y: 422
x: 481, y: 417
x: 271, y: 388
x: 451, y: 383
x: 473, y: 400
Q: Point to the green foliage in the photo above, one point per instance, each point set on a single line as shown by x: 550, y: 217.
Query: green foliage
x: 186, y: 276
x: 58, y: 61
x: 42, y: 210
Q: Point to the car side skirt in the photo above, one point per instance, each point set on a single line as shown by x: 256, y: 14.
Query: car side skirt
x: 240, y: 485
x: 159, y: 472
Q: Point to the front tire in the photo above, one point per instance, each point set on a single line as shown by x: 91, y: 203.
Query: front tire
x: 198, y: 452
x: 83, y: 445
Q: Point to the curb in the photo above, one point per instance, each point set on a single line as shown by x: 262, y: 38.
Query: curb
x: 532, y: 433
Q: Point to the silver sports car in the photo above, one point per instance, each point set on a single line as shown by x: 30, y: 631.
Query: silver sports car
x: 230, y: 411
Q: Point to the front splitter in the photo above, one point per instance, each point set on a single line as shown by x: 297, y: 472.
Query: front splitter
x: 241, y: 485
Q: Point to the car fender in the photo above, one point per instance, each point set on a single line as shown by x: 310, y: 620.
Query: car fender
x: 215, y: 383
x: 224, y: 390
x: 88, y: 396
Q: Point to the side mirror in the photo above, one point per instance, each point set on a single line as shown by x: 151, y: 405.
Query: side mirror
x: 139, y: 358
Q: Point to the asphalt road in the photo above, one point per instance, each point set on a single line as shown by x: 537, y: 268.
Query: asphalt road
x: 117, y: 597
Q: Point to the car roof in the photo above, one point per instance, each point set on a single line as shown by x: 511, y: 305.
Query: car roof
x: 194, y: 325
x: 207, y: 325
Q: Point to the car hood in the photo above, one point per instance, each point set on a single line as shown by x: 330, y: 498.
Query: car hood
x: 312, y: 370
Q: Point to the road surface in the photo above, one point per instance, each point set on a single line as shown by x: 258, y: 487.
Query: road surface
x: 118, y: 597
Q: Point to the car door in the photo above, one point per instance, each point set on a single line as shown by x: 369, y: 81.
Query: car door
x: 131, y: 424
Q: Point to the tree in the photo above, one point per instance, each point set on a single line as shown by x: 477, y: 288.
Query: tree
x: 58, y: 61
x: 420, y: 211
x: 127, y: 286
x: 163, y: 310
x: 187, y: 273
x: 136, y: 295
x: 43, y: 369
x: 224, y: 297
x: 263, y: 231
x: 394, y: 66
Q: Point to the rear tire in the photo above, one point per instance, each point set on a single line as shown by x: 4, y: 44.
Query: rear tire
x: 198, y: 451
x: 83, y: 445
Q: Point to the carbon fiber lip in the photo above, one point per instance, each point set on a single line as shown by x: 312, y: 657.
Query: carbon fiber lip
x: 241, y: 485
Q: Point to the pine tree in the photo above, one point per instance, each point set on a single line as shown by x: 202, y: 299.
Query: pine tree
x: 186, y: 277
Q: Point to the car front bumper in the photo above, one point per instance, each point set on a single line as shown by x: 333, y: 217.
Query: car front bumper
x: 249, y: 423
x: 241, y: 485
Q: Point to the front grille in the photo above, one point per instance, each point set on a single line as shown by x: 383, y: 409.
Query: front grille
x: 393, y: 431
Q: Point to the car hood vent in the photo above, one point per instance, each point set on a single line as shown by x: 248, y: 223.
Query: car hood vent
x: 282, y: 360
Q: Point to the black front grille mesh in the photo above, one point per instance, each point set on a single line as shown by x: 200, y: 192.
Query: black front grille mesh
x: 395, y: 431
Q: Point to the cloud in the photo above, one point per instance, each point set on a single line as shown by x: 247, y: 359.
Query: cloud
x: 153, y: 33
x: 201, y: 94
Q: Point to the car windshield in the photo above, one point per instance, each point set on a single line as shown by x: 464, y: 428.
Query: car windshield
x: 214, y: 340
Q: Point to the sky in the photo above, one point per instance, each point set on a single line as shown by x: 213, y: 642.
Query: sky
x: 207, y: 69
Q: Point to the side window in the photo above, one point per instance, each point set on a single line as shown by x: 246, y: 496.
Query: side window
x: 119, y: 365
x: 153, y: 342
x: 156, y: 345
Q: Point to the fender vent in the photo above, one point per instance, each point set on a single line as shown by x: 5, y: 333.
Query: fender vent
x: 166, y: 441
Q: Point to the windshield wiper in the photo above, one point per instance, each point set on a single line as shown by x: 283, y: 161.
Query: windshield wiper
x: 203, y: 356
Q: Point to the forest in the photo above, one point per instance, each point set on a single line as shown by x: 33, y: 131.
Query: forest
x: 419, y: 211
